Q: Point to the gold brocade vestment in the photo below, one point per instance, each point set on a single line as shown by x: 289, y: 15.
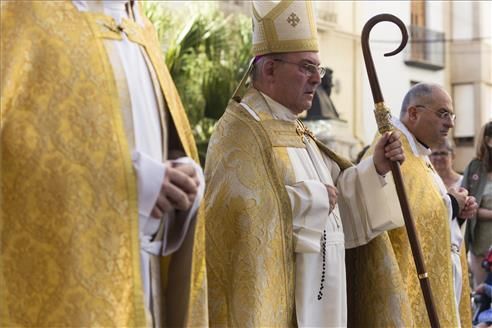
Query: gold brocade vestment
x: 69, y: 252
x: 384, y: 290
x: 249, y: 238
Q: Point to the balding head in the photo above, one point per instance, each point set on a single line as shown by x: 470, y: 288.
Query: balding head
x: 427, y: 112
x: 419, y: 94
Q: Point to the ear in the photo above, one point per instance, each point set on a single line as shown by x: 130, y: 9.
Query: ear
x: 268, y: 69
x: 412, y: 113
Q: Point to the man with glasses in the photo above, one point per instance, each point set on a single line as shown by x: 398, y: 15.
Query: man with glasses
x: 425, y: 121
x: 280, y: 206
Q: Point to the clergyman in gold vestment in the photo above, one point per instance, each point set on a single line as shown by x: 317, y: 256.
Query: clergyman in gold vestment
x: 385, y: 292
x: 280, y: 206
x: 98, y: 215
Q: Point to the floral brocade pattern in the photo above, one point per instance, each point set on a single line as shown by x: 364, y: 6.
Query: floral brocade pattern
x: 69, y: 245
x: 386, y: 282
x: 69, y: 252
x: 250, y: 255
x: 250, y: 264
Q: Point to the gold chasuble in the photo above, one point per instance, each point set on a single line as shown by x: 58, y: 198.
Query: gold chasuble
x: 69, y: 252
x: 249, y: 238
x: 383, y: 289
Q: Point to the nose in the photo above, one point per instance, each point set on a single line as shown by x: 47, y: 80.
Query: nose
x: 315, y: 78
x: 449, y: 122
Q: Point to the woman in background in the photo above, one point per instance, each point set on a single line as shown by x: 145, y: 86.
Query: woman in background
x: 478, y: 180
x: 442, y: 160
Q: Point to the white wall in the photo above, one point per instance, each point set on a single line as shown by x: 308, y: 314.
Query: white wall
x: 464, y: 107
x: 486, y: 21
x: 462, y: 19
x: 434, y: 15
x: 394, y: 75
x: 486, y: 114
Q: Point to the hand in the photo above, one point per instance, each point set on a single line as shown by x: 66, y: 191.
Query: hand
x: 332, y: 196
x: 388, y: 149
x: 178, y: 190
x: 461, y: 196
x: 480, y: 289
x: 190, y: 171
x: 484, y: 289
x: 470, y: 209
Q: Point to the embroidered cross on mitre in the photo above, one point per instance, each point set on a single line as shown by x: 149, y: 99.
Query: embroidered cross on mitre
x: 293, y: 20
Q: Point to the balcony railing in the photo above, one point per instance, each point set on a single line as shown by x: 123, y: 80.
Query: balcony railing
x: 425, y: 49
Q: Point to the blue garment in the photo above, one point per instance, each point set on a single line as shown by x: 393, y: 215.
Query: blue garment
x: 485, y: 316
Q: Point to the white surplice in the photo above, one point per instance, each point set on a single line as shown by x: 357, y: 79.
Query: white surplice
x: 366, y: 200
x: 149, y: 153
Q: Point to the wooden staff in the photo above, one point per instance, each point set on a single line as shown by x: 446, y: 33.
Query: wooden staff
x: 383, y: 116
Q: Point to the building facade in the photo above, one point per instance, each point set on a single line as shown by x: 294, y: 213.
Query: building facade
x: 450, y: 44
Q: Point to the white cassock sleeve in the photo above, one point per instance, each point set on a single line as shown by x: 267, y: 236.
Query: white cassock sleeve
x: 368, y: 203
x: 150, y: 174
x: 177, y: 226
x: 310, y: 209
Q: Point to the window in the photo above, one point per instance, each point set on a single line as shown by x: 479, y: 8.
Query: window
x: 426, y: 46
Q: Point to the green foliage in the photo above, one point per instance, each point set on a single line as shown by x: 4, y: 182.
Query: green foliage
x: 206, y: 53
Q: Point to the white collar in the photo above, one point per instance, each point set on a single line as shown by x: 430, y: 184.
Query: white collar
x: 417, y: 148
x: 279, y: 111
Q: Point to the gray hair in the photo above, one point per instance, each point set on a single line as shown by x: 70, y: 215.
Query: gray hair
x: 447, y: 145
x: 255, y: 72
x: 421, y: 92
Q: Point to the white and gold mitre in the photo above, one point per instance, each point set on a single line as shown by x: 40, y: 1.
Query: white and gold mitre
x: 283, y: 26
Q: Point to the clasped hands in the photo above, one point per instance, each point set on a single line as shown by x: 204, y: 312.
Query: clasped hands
x: 467, y: 204
x: 178, y: 189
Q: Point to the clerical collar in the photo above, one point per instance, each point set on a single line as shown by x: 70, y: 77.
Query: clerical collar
x: 279, y: 111
x: 423, y: 144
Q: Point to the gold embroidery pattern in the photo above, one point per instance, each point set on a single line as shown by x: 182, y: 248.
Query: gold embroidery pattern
x: 104, y: 26
x: 277, y: 45
x: 301, y: 130
x: 250, y: 257
x: 173, y: 101
x: 67, y: 235
x: 391, y: 286
x: 69, y: 229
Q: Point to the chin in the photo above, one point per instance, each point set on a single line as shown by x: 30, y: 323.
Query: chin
x: 307, y: 106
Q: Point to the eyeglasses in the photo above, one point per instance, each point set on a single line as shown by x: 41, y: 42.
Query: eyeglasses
x: 306, y: 68
x: 441, y: 113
